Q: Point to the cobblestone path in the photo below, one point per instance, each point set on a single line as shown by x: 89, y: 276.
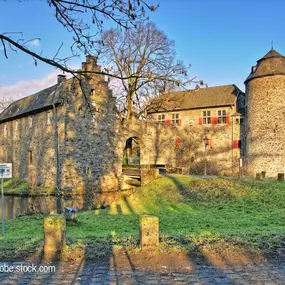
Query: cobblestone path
x: 87, y: 273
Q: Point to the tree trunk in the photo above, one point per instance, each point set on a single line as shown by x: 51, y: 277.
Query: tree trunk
x: 129, y: 105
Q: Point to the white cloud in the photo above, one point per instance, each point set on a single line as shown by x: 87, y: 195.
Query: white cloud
x: 24, y: 88
x: 35, y: 43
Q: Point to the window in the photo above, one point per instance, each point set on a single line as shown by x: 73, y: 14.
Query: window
x: 89, y: 172
x: 92, y: 92
x: 31, y: 122
x: 30, y: 157
x: 237, y: 144
x: 239, y: 121
x: 206, y: 117
x: 161, y: 118
x: 49, y: 118
x: 175, y: 119
x: 222, y: 116
x: 240, y: 144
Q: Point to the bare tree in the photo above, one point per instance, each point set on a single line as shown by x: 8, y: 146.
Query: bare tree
x: 144, y: 60
x: 79, y: 17
x: 4, y: 103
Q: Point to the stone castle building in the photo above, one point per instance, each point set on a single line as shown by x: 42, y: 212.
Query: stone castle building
x: 210, y: 121
x: 257, y: 128
x: 51, y: 137
x: 68, y: 137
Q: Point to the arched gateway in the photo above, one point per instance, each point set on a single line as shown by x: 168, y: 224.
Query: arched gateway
x: 131, y: 158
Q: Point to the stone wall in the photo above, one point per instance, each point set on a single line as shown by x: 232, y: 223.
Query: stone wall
x: 157, y: 141
x: 30, y: 144
x: 265, y: 124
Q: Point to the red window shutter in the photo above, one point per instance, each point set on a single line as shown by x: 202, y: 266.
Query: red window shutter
x: 235, y: 144
x: 167, y: 122
x: 177, y: 142
x: 214, y: 120
x: 200, y: 121
x: 210, y: 143
x: 228, y: 119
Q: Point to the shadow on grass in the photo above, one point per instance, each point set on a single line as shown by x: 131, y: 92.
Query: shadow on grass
x: 108, y: 243
x: 113, y: 259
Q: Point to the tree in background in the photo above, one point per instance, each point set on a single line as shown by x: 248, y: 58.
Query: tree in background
x: 144, y: 60
x: 84, y: 19
x: 4, y: 103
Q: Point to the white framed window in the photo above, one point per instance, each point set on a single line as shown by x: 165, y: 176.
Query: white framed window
x: 175, y: 119
x: 206, y: 117
x: 222, y: 116
x: 30, y: 122
x: 92, y: 93
x: 161, y: 118
x: 49, y: 118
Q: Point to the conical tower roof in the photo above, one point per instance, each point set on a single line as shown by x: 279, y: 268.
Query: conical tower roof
x: 273, y: 63
x: 272, y: 53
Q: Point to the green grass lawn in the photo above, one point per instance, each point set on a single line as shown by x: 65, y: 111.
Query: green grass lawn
x: 191, y: 211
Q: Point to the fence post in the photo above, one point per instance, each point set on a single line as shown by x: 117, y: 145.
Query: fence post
x: 149, y: 231
x: 54, y: 236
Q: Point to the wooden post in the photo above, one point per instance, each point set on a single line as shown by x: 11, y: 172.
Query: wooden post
x: 54, y: 235
x: 280, y: 177
x: 149, y: 231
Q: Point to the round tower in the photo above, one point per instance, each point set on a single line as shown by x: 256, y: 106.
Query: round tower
x: 265, y: 112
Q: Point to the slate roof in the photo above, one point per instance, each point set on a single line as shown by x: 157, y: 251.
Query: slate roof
x: 273, y: 63
x: 193, y: 99
x: 44, y: 99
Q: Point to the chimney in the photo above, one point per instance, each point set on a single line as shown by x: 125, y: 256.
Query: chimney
x: 91, y: 59
x: 90, y: 64
x: 60, y: 78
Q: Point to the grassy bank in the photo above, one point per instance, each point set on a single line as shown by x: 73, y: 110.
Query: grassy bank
x: 192, y: 212
x: 19, y: 187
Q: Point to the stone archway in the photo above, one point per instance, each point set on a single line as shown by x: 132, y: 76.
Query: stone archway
x: 131, y: 155
x: 131, y: 168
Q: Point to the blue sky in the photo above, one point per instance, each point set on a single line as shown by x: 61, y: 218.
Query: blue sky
x: 221, y: 39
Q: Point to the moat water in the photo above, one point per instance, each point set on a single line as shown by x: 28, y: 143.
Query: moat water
x: 16, y: 205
